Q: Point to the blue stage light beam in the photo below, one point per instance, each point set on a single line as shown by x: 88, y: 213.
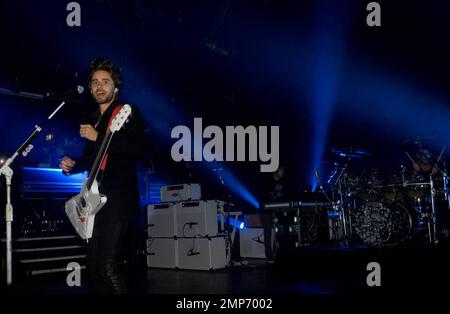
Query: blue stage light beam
x: 329, y: 46
x: 236, y: 186
x: 232, y: 183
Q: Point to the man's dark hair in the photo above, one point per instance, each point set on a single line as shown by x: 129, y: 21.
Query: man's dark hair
x: 105, y: 65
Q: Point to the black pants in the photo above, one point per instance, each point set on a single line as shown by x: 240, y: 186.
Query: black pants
x: 267, y: 222
x: 104, y: 254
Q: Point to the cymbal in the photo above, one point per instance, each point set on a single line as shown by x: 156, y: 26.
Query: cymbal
x: 350, y: 152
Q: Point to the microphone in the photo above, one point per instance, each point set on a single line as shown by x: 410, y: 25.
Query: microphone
x: 76, y: 90
x: 316, y: 174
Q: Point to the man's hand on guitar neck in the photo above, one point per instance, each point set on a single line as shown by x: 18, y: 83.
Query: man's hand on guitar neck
x: 67, y: 164
x: 89, y: 132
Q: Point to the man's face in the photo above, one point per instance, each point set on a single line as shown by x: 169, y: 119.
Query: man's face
x: 102, y: 87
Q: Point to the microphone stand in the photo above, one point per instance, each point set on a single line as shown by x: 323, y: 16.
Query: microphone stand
x: 6, y: 171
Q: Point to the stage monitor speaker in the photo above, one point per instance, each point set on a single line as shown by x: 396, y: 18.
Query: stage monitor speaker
x: 251, y: 242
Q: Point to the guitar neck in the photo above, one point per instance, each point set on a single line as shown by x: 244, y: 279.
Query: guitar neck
x: 99, y: 159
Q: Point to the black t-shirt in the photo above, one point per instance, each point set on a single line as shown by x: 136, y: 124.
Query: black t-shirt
x: 276, y: 190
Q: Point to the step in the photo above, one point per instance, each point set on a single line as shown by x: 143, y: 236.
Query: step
x: 67, y: 247
x: 51, y: 259
x: 48, y: 271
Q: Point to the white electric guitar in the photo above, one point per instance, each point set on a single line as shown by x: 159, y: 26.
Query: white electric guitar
x: 82, y: 208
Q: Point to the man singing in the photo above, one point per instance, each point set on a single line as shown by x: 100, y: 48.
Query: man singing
x: 117, y: 180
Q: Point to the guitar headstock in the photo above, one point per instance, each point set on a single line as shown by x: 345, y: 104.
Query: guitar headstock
x: 120, y: 118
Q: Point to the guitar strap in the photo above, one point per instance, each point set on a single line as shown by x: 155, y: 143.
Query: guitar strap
x: 113, y: 115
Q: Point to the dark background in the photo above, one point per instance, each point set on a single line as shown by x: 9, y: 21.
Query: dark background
x: 314, y: 68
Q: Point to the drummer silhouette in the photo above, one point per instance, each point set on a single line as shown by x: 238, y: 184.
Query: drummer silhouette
x: 424, y: 163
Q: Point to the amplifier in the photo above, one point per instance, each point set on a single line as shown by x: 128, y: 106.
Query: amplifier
x: 162, y: 253
x: 181, y: 192
x: 202, y: 253
x: 185, y: 219
x: 162, y: 220
x: 199, y: 218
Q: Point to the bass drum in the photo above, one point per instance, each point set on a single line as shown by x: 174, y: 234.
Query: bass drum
x: 381, y: 224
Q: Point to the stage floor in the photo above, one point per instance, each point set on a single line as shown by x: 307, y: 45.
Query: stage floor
x: 302, y: 272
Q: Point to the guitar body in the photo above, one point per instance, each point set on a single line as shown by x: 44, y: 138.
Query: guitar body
x: 82, y: 208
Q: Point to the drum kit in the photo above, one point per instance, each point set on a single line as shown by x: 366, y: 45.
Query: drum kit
x: 384, y: 210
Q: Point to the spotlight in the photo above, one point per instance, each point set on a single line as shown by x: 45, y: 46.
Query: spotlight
x: 241, y: 225
x: 49, y: 137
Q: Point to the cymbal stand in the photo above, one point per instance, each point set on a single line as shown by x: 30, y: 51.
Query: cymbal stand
x: 341, y: 191
x: 446, y: 189
x: 432, y: 224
